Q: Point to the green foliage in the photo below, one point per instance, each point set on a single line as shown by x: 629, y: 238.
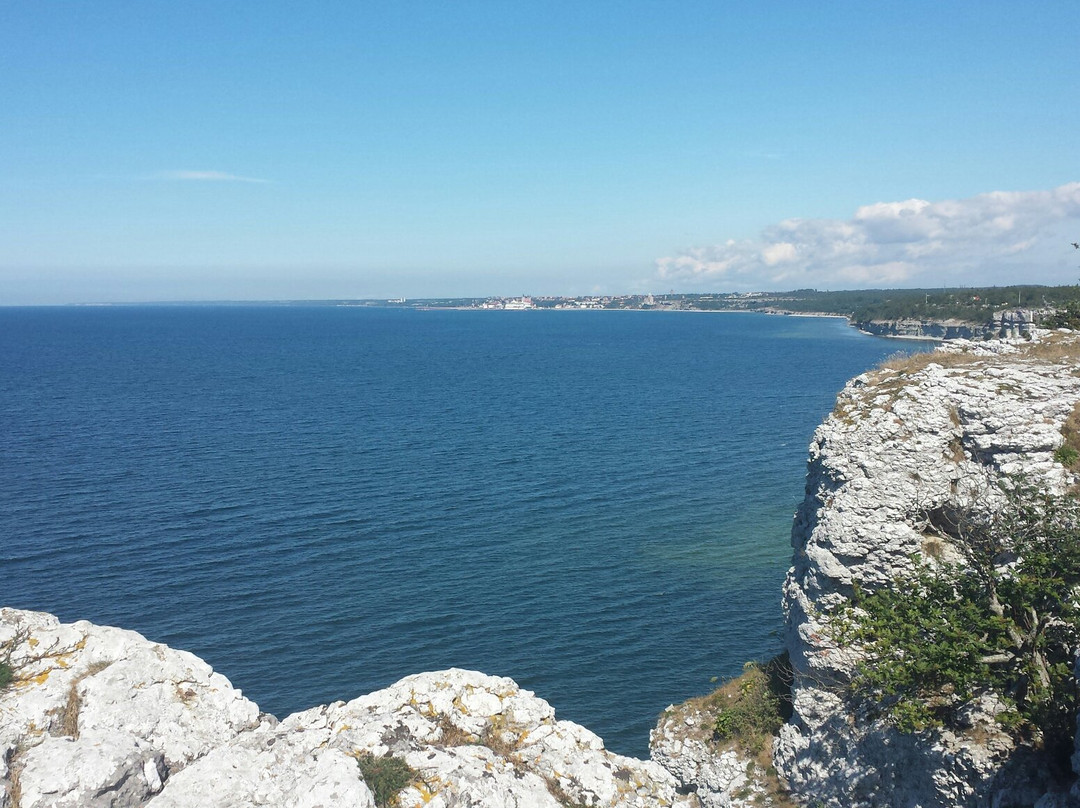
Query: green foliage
x: 1066, y: 456
x: 971, y: 305
x: 925, y: 638
x: 753, y: 707
x: 7, y: 675
x: 1068, y: 316
x: 1007, y: 622
x: 386, y: 776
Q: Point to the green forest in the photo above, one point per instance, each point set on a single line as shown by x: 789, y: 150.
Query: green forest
x: 974, y: 305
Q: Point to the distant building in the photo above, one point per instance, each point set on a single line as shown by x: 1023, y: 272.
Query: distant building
x: 519, y: 303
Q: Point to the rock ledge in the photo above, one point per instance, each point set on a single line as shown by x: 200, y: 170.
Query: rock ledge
x: 99, y: 716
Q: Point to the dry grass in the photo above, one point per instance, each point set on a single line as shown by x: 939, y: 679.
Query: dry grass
x: 495, y: 736
x: 1068, y: 454
x: 504, y: 742
x: 66, y: 723
x: 500, y: 740
x: 956, y: 451
x: 1056, y: 348
x: 560, y: 794
x: 14, y: 787
x: 452, y: 735
x: 933, y: 547
x: 892, y: 376
x: 1053, y: 347
x: 906, y: 364
x: 1071, y: 428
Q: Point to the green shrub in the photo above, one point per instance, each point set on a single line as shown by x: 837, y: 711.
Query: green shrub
x: 942, y: 635
x: 386, y: 776
x: 1068, y: 316
x: 751, y: 708
x: 1066, y: 456
x: 7, y: 675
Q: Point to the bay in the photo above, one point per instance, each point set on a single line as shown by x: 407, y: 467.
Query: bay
x: 319, y: 500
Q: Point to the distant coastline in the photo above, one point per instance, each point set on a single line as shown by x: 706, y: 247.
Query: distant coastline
x: 923, y: 314
x: 920, y: 314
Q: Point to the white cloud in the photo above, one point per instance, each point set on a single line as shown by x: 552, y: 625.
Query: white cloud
x: 203, y: 176
x: 783, y: 252
x: 987, y: 238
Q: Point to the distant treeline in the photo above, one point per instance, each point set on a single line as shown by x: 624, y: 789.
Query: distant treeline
x: 973, y: 305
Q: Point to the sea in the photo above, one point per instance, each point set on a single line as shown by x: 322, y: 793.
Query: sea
x: 319, y: 500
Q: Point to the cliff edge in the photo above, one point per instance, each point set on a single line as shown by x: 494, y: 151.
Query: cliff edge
x: 927, y: 436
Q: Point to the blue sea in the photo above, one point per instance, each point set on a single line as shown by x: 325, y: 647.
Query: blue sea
x: 319, y: 500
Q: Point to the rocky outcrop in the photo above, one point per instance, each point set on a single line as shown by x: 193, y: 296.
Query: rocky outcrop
x: 923, y: 329
x: 1005, y: 324
x: 99, y: 717
x: 904, y: 443
x: 728, y: 777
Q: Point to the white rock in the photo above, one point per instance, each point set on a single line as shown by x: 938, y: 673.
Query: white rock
x: 95, y: 708
x: 103, y: 717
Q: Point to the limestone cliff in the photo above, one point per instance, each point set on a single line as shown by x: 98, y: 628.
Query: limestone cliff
x: 1009, y: 323
x: 902, y: 444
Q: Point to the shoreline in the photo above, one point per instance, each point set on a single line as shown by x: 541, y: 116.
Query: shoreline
x: 773, y: 313
x: 898, y: 336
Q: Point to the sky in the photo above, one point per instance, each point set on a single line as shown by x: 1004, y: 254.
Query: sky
x: 267, y: 150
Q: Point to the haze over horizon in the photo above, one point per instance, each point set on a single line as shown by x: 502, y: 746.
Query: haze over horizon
x: 260, y: 151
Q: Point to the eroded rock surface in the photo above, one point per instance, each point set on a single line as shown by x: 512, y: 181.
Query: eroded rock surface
x: 720, y: 777
x: 99, y: 716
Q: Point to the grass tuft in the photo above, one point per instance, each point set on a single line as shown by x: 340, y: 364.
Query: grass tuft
x: 1068, y: 454
x: 386, y: 776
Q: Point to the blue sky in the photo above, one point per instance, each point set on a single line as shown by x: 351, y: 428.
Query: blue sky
x: 269, y: 150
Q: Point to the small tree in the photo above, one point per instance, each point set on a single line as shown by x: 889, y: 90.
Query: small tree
x: 1007, y: 622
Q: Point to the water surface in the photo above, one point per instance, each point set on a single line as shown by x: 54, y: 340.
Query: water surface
x: 320, y: 500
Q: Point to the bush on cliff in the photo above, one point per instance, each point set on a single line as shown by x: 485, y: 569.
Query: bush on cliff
x: 1006, y: 623
x: 751, y: 708
x: 386, y: 776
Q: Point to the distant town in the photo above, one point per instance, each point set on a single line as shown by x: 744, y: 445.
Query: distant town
x: 525, y: 302
x: 973, y: 305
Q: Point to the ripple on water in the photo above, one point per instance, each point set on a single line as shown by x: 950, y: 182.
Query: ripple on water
x: 321, y: 500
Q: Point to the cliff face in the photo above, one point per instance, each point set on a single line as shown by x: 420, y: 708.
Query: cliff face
x: 901, y: 445
x: 1010, y: 323
x: 922, y: 329
x: 97, y: 717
